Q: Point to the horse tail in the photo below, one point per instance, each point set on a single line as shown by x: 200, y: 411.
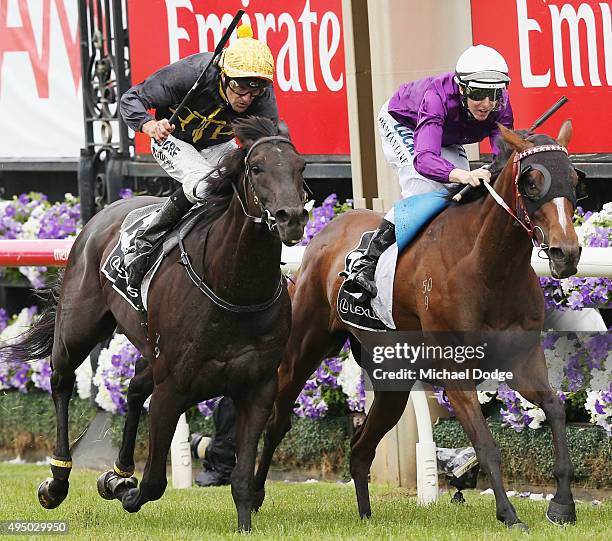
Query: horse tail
x: 37, y: 341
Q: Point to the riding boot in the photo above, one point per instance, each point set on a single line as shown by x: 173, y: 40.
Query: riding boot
x: 383, y: 237
x: 136, y: 262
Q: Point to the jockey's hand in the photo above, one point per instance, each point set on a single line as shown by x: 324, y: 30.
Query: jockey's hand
x: 158, y: 129
x: 473, y: 178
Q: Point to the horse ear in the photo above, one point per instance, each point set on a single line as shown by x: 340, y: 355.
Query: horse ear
x: 283, y: 129
x: 513, y: 139
x: 565, y: 133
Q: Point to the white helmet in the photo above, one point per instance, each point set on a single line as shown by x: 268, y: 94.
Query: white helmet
x: 482, y: 67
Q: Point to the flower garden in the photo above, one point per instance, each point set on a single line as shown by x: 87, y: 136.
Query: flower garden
x: 580, y: 367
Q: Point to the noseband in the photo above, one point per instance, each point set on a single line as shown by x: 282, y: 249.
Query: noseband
x: 265, y: 215
x: 520, y: 213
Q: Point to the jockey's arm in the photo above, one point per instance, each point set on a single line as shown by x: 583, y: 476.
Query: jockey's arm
x: 428, y: 160
x: 166, y: 87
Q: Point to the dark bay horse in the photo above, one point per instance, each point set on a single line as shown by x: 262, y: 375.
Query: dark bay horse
x: 478, y: 263
x: 196, y: 347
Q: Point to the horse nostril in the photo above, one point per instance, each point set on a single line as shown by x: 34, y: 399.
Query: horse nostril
x: 282, y: 216
x: 555, y: 253
x: 567, y: 254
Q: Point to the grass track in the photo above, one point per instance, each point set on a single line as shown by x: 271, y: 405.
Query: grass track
x: 312, y: 512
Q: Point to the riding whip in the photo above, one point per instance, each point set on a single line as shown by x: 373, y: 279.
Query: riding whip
x: 218, y: 50
x: 543, y: 118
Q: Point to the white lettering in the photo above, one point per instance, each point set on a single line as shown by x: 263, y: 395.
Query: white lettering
x: 526, y: 25
x: 175, y: 32
x: 289, y: 49
x: 306, y: 19
x: 606, y: 24
x: 327, y: 53
x: 213, y: 24
x: 297, y: 67
x: 264, y: 23
x: 568, y: 14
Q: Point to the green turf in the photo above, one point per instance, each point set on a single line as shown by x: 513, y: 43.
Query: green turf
x: 311, y: 512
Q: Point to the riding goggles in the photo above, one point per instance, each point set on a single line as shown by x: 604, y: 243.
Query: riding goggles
x: 480, y: 94
x: 242, y: 87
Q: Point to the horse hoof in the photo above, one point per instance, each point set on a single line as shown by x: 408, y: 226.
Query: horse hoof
x: 52, y: 492
x: 521, y: 526
x: 561, y: 513
x: 103, y: 488
x: 258, y: 500
x: 131, y: 501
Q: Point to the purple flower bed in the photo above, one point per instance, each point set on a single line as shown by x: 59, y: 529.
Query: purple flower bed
x: 337, y: 385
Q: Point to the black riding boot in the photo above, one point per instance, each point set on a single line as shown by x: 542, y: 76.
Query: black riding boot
x: 220, y: 456
x: 136, y: 262
x: 383, y: 237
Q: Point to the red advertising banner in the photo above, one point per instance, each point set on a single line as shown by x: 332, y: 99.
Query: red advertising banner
x: 554, y: 48
x: 306, y: 39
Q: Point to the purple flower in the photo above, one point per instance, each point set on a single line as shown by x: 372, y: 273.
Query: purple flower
x: 207, y: 407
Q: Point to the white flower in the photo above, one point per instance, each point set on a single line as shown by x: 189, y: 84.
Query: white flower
x: 83, y: 379
x: 21, y: 324
x: 350, y: 377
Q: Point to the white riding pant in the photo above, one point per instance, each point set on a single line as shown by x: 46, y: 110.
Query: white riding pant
x: 398, y: 148
x: 188, y: 166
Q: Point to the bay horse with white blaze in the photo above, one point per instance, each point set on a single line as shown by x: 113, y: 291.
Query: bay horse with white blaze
x: 228, y: 343
x: 478, y: 262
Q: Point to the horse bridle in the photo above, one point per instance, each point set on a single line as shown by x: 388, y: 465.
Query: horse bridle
x: 518, y: 202
x: 266, y: 216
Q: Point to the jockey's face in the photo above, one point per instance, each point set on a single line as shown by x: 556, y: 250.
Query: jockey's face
x: 481, y: 109
x: 238, y: 102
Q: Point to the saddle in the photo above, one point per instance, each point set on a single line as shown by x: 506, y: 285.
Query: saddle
x: 355, y: 307
x: 113, y: 267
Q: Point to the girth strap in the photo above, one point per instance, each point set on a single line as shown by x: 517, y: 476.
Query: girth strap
x: 226, y: 305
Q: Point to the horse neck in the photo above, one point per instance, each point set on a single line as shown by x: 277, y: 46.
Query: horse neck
x: 503, y: 248
x: 242, y: 259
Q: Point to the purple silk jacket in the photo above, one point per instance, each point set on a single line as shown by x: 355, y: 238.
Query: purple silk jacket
x: 432, y: 108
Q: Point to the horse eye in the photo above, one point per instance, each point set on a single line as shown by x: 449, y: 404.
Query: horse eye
x: 256, y: 170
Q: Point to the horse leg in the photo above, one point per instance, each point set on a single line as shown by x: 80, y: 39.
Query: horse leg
x: 469, y: 413
x: 72, y: 343
x: 164, y: 412
x: 301, y: 360
x: 532, y: 382
x: 253, y: 410
x: 384, y: 414
x: 116, y: 482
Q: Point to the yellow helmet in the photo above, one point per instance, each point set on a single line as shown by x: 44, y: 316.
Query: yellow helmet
x: 247, y: 57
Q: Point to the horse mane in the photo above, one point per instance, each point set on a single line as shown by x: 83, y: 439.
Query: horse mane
x: 499, y: 162
x: 219, y: 191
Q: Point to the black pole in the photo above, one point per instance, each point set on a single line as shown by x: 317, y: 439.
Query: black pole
x: 218, y: 49
x: 543, y: 118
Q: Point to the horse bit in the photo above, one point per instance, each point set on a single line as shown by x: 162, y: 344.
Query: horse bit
x: 519, y: 204
x: 266, y: 217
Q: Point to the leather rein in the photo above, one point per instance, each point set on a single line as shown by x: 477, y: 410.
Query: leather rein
x: 265, y: 217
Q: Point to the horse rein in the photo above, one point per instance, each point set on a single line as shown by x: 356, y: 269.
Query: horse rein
x: 518, y: 202
x: 265, y: 217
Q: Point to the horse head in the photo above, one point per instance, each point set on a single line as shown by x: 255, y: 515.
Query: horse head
x: 274, y: 176
x: 547, y: 188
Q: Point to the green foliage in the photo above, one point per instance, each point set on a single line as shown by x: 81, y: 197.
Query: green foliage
x: 28, y: 421
x: 323, y: 445
x: 528, y: 455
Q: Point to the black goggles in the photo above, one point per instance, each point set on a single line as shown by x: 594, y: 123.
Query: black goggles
x: 480, y: 94
x: 242, y: 87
